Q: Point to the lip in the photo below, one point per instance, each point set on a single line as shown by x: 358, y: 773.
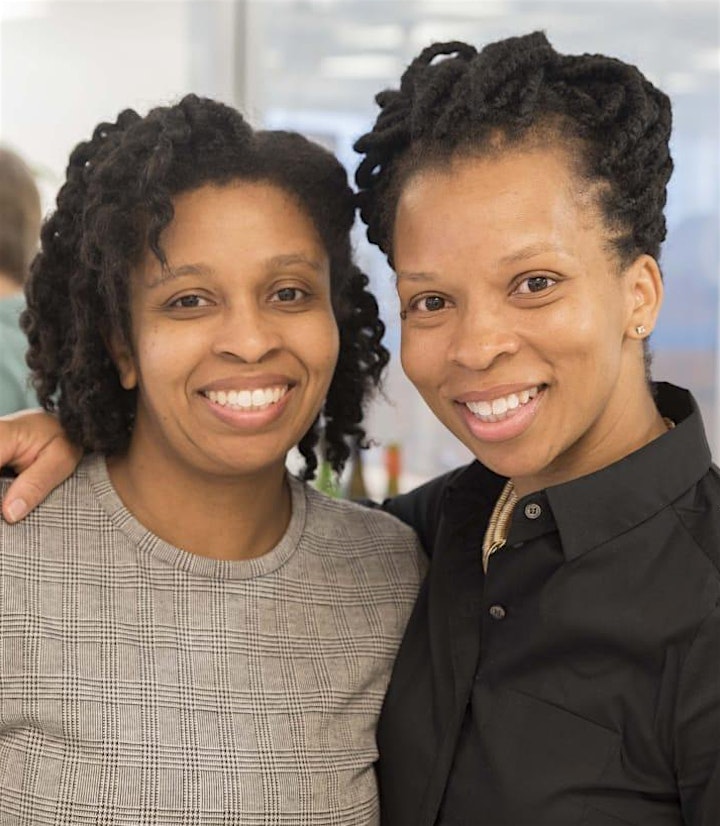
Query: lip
x: 509, y: 428
x: 495, y: 392
x: 248, y: 420
x: 254, y: 382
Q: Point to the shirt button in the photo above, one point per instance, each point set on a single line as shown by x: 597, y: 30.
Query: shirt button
x: 532, y: 510
x: 497, y: 612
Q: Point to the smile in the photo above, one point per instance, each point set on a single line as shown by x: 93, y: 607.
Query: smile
x: 258, y: 399
x: 503, y: 407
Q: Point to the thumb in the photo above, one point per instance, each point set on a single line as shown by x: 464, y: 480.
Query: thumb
x: 35, y: 446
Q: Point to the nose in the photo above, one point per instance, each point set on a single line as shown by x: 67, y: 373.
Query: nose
x: 481, y: 336
x: 247, y: 333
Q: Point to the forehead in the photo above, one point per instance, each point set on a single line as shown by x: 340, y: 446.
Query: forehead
x: 515, y: 198
x: 240, y: 207
x: 247, y: 227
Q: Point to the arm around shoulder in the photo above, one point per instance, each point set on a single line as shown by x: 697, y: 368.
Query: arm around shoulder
x: 35, y: 445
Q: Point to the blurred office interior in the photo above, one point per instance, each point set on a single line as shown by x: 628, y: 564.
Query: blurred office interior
x: 315, y: 66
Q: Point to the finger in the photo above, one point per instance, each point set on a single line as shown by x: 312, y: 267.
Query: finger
x: 14, y: 448
x: 51, y: 467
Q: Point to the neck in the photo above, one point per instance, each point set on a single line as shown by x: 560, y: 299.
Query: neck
x: 229, y: 518
x: 628, y: 424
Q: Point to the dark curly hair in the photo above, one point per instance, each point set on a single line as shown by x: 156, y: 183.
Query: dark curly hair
x: 454, y: 100
x: 115, y: 203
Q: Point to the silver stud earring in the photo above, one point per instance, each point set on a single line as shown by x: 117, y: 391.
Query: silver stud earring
x: 640, y: 330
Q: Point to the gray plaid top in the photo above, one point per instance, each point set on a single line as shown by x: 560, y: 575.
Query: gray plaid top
x: 141, y: 684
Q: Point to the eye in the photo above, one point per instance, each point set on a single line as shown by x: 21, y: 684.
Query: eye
x: 535, y: 284
x: 288, y: 295
x: 189, y: 302
x: 428, y: 303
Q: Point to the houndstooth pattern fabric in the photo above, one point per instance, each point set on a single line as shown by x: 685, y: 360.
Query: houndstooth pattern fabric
x: 141, y: 684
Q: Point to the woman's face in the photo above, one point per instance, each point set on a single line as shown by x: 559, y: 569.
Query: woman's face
x: 520, y: 327
x: 235, y: 344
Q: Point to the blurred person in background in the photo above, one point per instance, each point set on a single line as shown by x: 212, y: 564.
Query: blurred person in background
x: 20, y: 216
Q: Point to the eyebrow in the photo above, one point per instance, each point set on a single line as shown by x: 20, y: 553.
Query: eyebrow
x: 291, y: 259
x: 202, y: 270
x: 522, y: 254
x: 529, y: 251
x: 414, y: 276
x: 168, y: 273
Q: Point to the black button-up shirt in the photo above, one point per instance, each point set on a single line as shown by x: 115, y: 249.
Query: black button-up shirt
x: 578, y: 682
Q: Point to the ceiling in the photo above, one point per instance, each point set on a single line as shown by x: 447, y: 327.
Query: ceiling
x: 335, y: 55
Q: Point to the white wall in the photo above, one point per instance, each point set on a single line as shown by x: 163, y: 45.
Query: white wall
x: 67, y: 65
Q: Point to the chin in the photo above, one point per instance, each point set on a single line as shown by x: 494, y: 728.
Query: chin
x: 514, y: 467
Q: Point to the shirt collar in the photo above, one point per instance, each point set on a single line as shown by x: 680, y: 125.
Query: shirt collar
x: 599, y: 507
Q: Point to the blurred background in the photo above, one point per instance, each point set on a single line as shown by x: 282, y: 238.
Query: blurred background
x: 315, y: 66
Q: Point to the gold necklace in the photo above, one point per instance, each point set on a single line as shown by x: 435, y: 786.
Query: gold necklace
x: 496, y: 532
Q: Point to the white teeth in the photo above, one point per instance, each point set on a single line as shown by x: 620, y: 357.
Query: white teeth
x: 498, y: 409
x: 499, y: 406
x: 257, y: 399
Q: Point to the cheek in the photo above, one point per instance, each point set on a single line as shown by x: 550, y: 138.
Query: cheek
x: 164, y: 358
x: 322, y: 346
x: 590, y: 328
x: 421, y: 356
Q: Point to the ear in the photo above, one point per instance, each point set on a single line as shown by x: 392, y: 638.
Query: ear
x: 645, y: 290
x: 121, y: 354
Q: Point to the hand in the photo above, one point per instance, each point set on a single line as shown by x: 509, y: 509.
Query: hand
x: 33, y: 443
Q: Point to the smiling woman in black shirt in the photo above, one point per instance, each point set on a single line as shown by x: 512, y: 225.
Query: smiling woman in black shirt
x: 562, y: 665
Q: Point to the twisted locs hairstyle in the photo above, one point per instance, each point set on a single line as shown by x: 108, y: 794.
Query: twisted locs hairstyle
x: 455, y: 101
x: 115, y: 203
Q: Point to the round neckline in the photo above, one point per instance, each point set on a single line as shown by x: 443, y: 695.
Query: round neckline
x: 149, y: 543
